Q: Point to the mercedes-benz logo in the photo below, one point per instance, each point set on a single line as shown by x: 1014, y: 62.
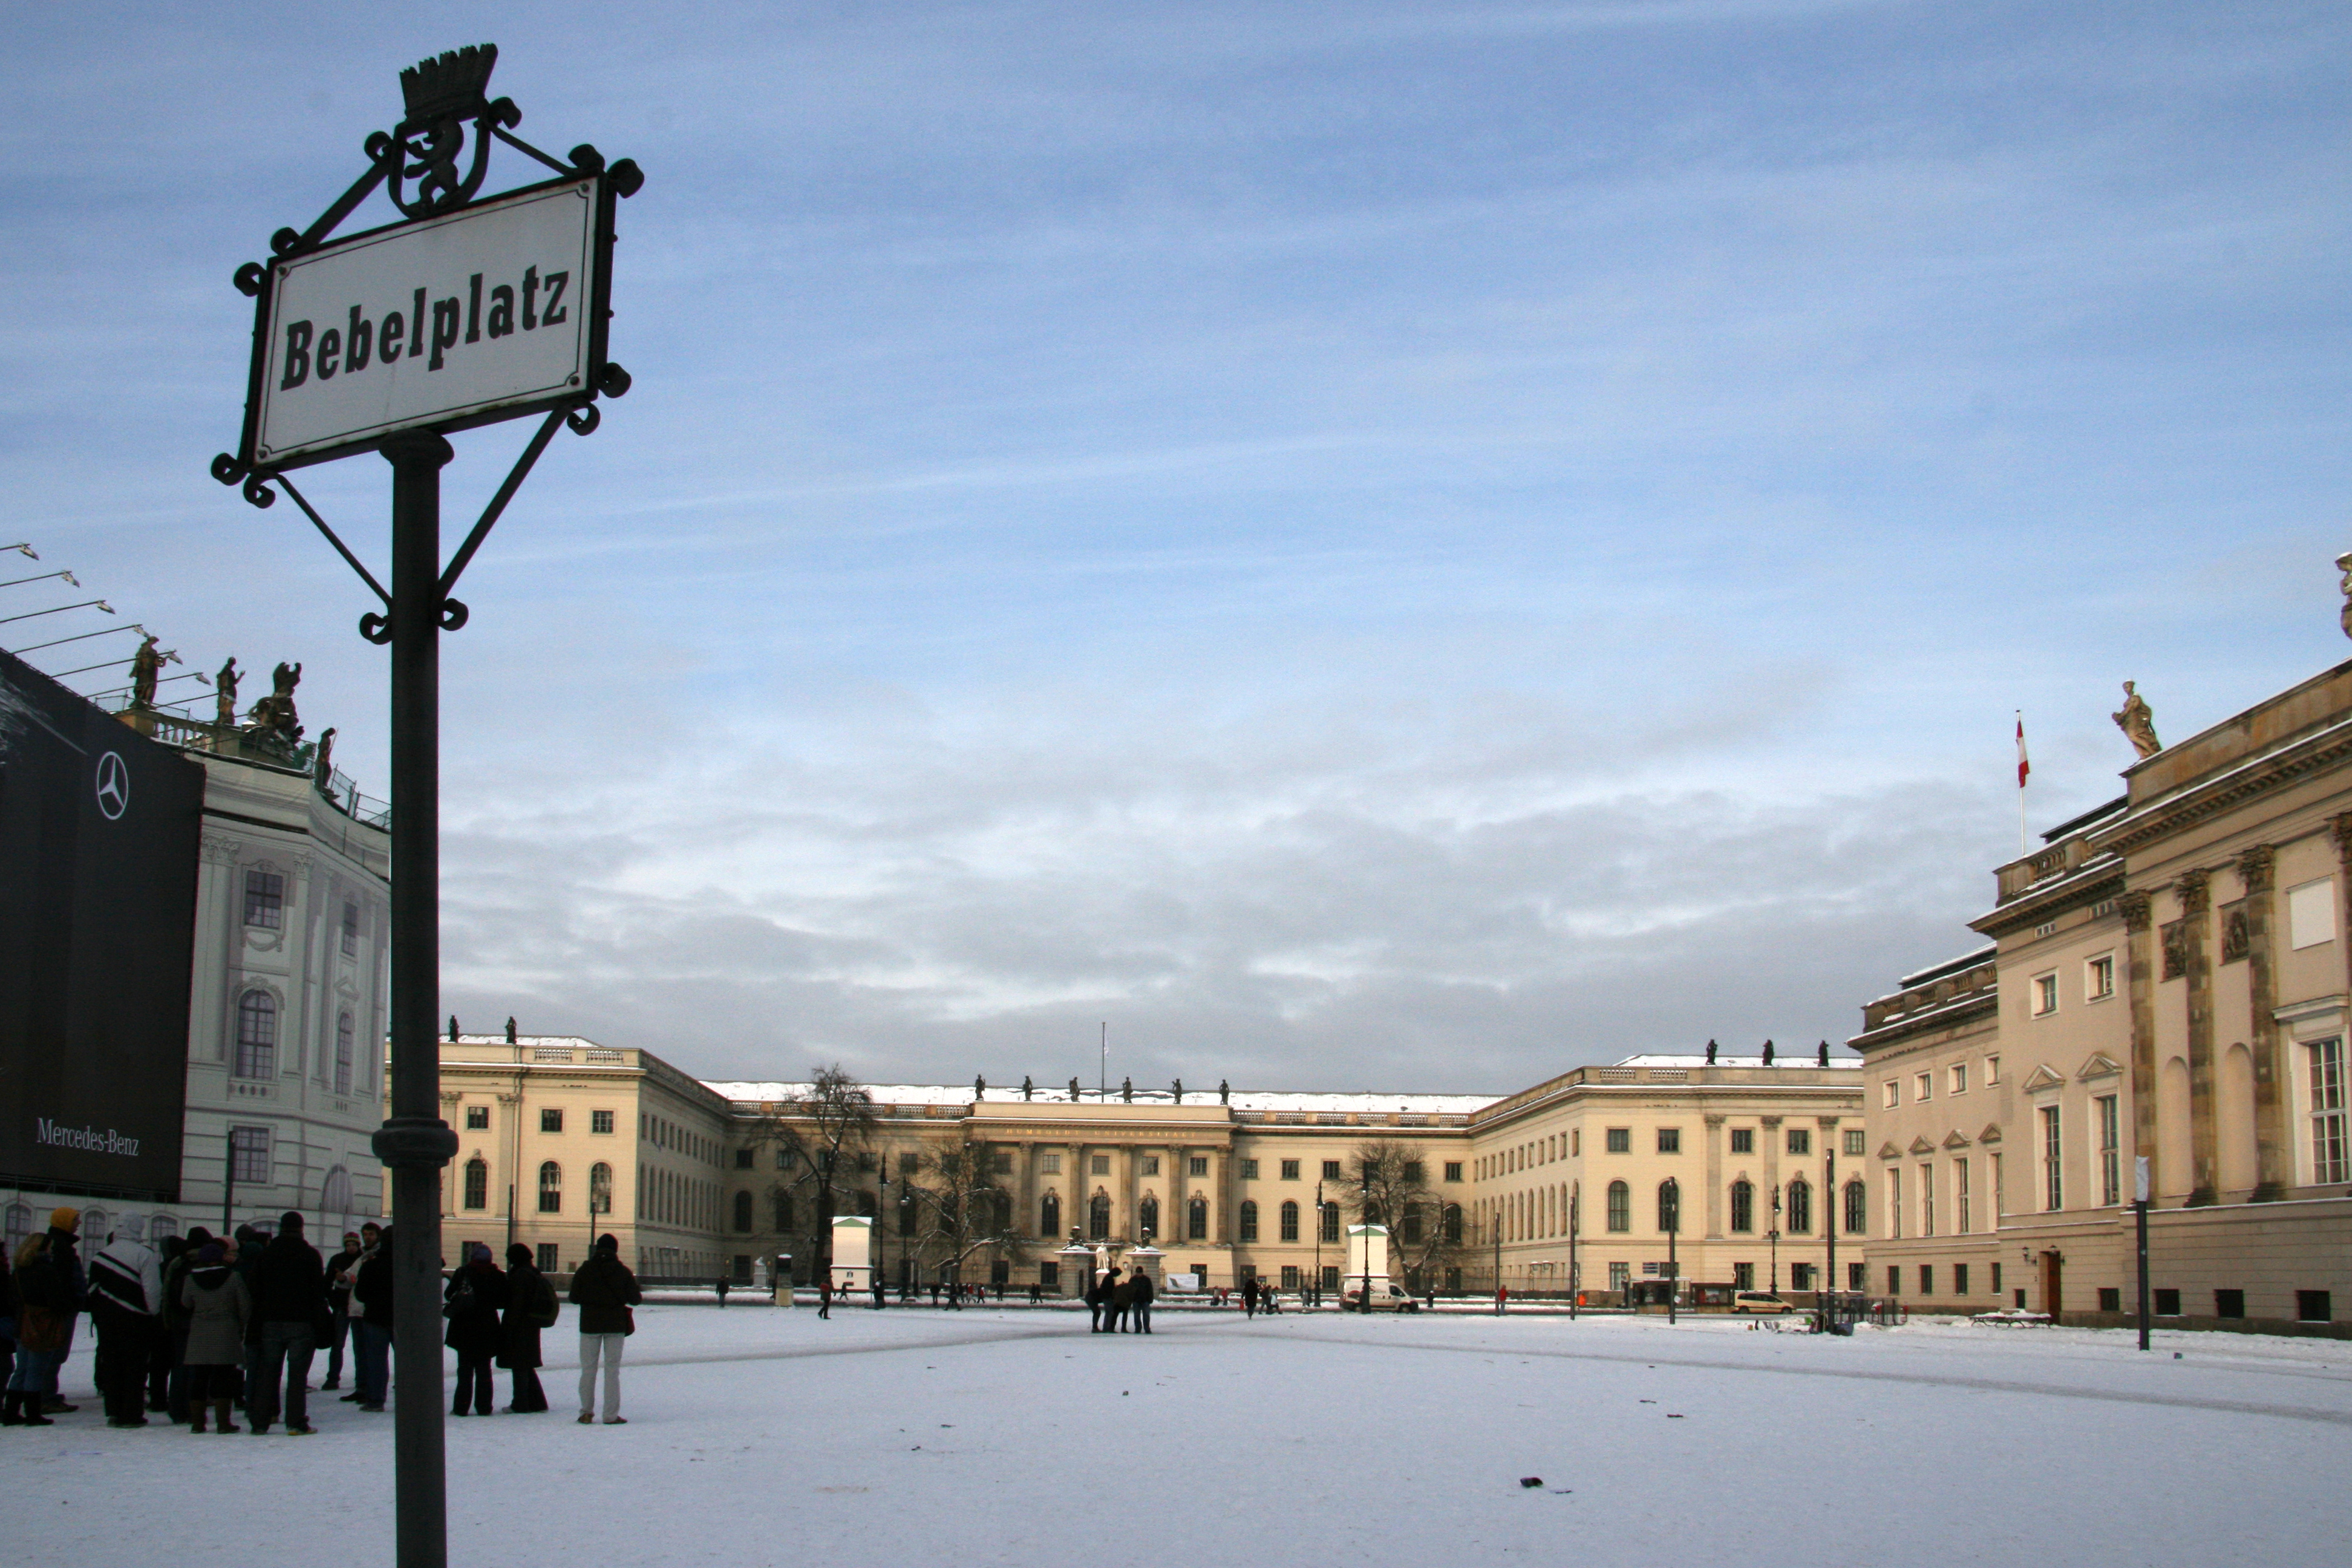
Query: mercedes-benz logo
x: 113, y: 787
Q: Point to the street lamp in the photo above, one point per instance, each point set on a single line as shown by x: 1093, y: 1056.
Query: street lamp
x: 1313, y: 1292
x: 1365, y: 1209
x: 1673, y: 1227
x: 1575, y: 1213
x: 1772, y: 1282
x: 882, y: 1218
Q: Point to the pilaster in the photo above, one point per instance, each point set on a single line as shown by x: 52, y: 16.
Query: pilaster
x: 2204, y: 1133
x: 1714, y: 1135
x: 2255, y: 868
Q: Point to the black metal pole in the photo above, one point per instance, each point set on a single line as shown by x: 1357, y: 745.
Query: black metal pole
x: 414, y: 1144
x: 1674, y: 1265
x: 1829, y: 1228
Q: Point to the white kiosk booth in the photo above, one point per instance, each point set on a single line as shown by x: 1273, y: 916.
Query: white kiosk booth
x: 1368, y: 1253
x: 852, y: 1255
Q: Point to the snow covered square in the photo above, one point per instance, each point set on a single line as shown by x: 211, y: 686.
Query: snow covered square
x: 1013, y: 1435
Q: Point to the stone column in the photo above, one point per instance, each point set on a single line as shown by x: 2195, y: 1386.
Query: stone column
x: 2272, y: 1164
x: 2204, y: 1138
x: 1026, y: 1223
x: 2139, y: 981
x: 1713, y: 1177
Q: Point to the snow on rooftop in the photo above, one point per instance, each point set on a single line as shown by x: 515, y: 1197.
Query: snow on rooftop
x: 1059, y: 1094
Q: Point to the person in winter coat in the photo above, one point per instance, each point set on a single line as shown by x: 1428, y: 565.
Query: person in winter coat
x: 339, y: 1306
x: 472, y: 1300
x: 126, y: 1287
x: 531, y: 1307
x: 175, y: 1321
x: 220, y: 1309
x: 65, y: 1251
x: 1095, y: 1294
x: 372, y: 1330
x: 603, y: 1289
x: 1138, y: 1308
x: 290, y: 1303
x: 43, y: 1323
x: 7, y: 1335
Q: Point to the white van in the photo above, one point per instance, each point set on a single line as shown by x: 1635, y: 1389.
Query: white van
x: 1388, y: 1296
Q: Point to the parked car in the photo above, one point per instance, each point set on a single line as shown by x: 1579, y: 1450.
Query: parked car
x: 1758, y: 1301
x: 1388, y: 1296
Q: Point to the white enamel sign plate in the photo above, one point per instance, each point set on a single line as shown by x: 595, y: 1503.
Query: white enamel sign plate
x: 428, y: 322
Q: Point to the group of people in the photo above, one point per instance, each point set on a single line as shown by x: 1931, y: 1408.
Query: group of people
x: 202, y: 1326
x: 1119, y: 1305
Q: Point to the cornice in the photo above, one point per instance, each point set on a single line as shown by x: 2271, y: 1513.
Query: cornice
x: 2196, y: 803
x: 2034, y: 905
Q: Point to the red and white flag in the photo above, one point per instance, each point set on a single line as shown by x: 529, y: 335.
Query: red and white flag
x: 2023, y: 767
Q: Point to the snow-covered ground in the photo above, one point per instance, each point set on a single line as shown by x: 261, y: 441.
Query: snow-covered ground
x: 757, y: 1436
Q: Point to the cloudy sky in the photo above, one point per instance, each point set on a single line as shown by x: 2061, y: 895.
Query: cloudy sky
x: 1364, y: 546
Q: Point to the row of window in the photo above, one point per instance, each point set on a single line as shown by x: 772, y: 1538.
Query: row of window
x: 1620, y: 1140
x: 256, y: 1054
x: 1923, y: 1085
x: 550, y: 1118
x: 1553, y: 1211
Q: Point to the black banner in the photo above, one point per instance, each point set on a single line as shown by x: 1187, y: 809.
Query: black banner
x: 98, y: 834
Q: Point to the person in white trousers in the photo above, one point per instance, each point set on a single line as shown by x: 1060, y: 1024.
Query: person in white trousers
x: 603, y: 1289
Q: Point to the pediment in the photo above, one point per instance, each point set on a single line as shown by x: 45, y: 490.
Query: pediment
x: 1887, y: 1150
x: 1921, y: 1146
x: 2043, y: 1078
x: 2098, y: 1064
x: 1956, y: 1139
x: 1991, y: 1134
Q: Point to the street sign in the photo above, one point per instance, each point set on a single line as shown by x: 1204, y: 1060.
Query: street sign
x: 494, y: 311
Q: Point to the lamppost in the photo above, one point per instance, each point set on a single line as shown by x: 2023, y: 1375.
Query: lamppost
x: 1315, y: 1291
x: 882, y: 1218
x: 1364, y: 1207
x: 1495, y: 1223
x: 1830, y: 1215
x: 1772, y: 1283
x: 1673, y: 1227
x: 1575, y: 1213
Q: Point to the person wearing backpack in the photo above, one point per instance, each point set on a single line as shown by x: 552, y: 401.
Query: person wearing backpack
x: 475, y: 1292
x: 603, y: 1289
x: 531, y: 1306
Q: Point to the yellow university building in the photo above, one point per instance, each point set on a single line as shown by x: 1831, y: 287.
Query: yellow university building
x: 561, y: 1139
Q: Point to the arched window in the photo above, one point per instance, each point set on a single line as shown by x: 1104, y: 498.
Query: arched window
x: 551, y: 1188
x: 1149, y: 1216
x: 1620, y: 1207
x: 743, y: 1214
x: 477, y: 1183
x: 96, y: 1224
x: 1049, y: 1215
x: 162, y: 1228
x: 1799, y: 1199
x: 1857, y: 1207
x: 1669, y: 1205
x: 783, y: 1211
x: 1196, y: 1218
x: 599, y: 1189
x: 1453, y: 1222
x: 1289, y: 1219
x: 1099, y: 1218
x: 1331, y: 1222
x: 335, y: 1193
x: 1249, y: 1219
x: 256, y: 1036
x: 343, y: 1054
x: 1743, y: 1207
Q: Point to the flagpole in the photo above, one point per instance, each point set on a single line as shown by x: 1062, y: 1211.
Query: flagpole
x: 2021, y: 771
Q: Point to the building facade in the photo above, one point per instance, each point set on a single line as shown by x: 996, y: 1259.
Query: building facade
x: 288, y: 993
x: 702, y: 1180
x: 2166, y: 983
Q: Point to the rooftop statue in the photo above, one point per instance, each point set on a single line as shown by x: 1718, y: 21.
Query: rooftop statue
x: 979, y: 1086
x: 1028, y: 1090
x: 1127, y: 1089
x: 1074, y: 1091
x: 2344, y: 565
x: 322, y: 765
x: 1225, y: 1093
x: 2137, y: 723
x: 146, y: 667
x: 224, y: 694
x: 1179, y: 1092
x: 273, y: 718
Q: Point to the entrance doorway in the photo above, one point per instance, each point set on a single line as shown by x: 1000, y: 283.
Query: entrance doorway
x: 2052, y: 1297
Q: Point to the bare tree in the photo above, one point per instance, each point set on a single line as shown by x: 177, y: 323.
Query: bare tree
x: 819, y: 1138
x: 1392, y: 1189
x: 962, y: 1209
